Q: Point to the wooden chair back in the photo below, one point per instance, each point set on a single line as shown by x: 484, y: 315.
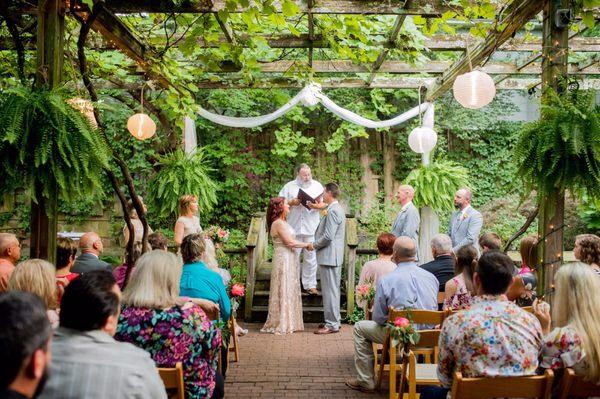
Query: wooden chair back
x: 434, y: 317
x: 535, y: 386
x: 173, y: 379
x: 572, y: 386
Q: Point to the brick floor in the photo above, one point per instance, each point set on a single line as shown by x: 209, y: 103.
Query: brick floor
x: 300, y: 365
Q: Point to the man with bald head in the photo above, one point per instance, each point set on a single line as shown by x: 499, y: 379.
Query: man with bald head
x: 465, y: 223
x: 91, y: 247
x: 10, y: 253
x: 408, y: 220
x: 409, y: 286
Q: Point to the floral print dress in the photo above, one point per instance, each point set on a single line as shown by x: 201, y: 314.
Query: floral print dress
x: 562, y: 349
x: 177, y: 334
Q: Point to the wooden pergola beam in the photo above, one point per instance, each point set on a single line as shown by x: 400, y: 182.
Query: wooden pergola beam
x: 520, y: 13
x: 399, y: 67
x: 398, y: 22
x: 426, y: 8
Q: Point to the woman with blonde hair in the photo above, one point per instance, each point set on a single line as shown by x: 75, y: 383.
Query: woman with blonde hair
x: 38, y: 277
x: 188, y: 223
x: 575, y: 340
x: 155, y: 319
x: 587, y: 250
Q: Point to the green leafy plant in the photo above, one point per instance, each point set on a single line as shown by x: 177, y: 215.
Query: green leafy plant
x: 180, y: 174
x: 43, y: 140
x: 436, y: 184
x: 561, y: 151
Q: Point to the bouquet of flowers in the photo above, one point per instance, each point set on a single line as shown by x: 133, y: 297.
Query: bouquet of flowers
x: 236, y: 292
x: 217, y: 235
x: 402, y: 330
x: 365, y: 293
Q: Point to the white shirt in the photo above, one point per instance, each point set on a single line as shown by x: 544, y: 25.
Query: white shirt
x: 464, y: 211
x: 303, y: 221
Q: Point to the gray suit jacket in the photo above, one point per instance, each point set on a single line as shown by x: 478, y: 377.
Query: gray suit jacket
x: 465, y: 231
x: 88, y: 262
x: 330, y: 237
x: 407, y: 223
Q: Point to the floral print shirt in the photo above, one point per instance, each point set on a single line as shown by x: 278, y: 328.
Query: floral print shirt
x: 178, y: 334
x: 561, y: 349
x: 492, y: 338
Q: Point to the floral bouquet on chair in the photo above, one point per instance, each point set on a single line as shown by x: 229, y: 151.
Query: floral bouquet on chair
x: 236, y: 292
x: 365, y: 294
x: 217, y: 235
x: 402, y: 330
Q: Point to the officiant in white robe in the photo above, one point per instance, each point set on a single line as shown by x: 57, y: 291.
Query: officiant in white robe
x: 304, y: 221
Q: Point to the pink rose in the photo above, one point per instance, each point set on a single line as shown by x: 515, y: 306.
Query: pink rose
x: 363, y: 289
x: 237, y: 289
x: 401, y: 322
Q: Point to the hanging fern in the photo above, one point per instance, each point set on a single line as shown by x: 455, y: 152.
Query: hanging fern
x: 561, y: 151
x: 43, y: 139
x: 180, y: 174
x: 436, y: 184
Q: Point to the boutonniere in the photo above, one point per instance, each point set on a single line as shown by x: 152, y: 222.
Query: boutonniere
x: 465, y: 215
x: 323, y: 213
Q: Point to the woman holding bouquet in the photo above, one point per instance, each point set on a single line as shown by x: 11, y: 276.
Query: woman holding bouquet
x: 285, y: 300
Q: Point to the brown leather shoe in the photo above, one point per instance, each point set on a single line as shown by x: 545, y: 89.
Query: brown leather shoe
x: 325, y: 330
x: 354, y: 384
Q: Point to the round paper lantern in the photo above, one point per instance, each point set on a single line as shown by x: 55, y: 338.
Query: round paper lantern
x: 474, y: 89
x: 85, y: 107
x: 141, y: 126
x: 422, y: 140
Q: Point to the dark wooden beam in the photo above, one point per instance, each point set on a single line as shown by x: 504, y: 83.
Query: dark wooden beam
x: 519, y: 14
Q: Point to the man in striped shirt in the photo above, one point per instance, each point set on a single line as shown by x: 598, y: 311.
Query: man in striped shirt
x: 87, y: 362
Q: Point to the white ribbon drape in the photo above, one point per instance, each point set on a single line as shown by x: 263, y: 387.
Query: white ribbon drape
x: 310, y: 96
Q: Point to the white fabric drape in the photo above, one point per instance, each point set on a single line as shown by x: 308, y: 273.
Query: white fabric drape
x: 311, y: 95
x: 189, y: 135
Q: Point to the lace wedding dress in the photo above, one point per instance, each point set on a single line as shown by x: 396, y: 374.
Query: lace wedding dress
x: 285, y: 300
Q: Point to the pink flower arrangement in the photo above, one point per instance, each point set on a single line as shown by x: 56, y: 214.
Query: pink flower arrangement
x: 401, y: 322
x: 237, y: 290
x: 366, y: 293
x: 217, y: 234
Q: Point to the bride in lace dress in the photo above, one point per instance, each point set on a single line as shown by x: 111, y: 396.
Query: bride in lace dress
x: 285, y: 299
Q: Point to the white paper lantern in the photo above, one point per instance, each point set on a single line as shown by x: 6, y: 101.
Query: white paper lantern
x: 474, y: 89
x: 422, y: 140
x: 141, y: 126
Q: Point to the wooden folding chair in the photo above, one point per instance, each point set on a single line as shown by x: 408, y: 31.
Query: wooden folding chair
x: 414, y: 373
x: 527, y: 308
x: 572, y: 386
x: 432, y: 317
x: 173, y: 379
x: 535, y: 386
x: 233, y: 340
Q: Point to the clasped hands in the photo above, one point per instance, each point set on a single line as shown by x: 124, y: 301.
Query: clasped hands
x: 310, y: 246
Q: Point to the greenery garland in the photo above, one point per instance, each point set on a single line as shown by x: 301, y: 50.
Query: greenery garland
x: 43, y: 139
x: 561, y: 150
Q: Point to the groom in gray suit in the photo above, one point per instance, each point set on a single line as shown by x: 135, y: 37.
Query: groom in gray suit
x: 465, y: 224
x: 329, y: 244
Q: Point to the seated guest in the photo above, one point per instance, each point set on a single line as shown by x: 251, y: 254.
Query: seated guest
x: 87, y: 362
x: 408, y: 286
x: 374, y: 269
x: 460, y: 290
x: 120, y: 272
x: 442, y: 265
x: 587, y: 250
x: 158, y: 241
x: 490, y: 242
x: 522, y: 290
x: 10, y: 253
x: 154, y: 320
x: 37, y: 276
x: 197, y: 280
x: 91, y: 247
x: 24, y: 344
x: 66, y: 249
x: 575, y: 340
x: 494, y: 337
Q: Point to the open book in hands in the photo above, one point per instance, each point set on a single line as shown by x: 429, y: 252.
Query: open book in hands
x: 306, y: 199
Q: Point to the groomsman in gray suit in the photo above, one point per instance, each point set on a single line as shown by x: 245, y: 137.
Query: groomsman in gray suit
x: 329, y: 244
x: 408, y: 220
x: 465, y: 223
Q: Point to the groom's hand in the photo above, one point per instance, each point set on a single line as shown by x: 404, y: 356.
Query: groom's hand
x: 310, y: 246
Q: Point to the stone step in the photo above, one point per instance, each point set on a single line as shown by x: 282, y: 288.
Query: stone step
x: 261, y: 298
x: 310, y: 314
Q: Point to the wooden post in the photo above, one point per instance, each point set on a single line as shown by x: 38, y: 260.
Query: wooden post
x: 50, y: 53
x: 555, y: 43
x: 352, y: 243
